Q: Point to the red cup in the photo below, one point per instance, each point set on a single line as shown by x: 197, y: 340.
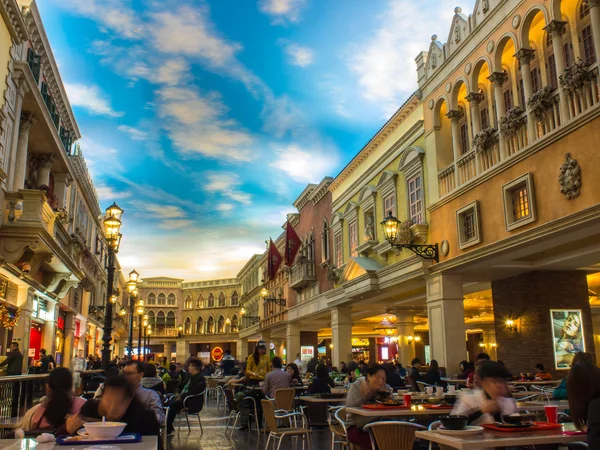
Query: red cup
x: 407, y: 399
x: 551, y: 413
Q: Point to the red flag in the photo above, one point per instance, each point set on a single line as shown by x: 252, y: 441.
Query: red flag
x: 274, y: 260
x: 292, y: 244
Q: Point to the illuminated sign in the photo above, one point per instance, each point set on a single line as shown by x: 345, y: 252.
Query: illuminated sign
x: 217, y: 354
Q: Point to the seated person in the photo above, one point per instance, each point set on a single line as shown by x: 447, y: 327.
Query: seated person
x: 294, y: 371
x: 473, y: 380
x: 119, y: 404
x: 491, y: 400
x: 394, y: 380
x: 171, y: 374
x: 414, y: 374
x: 322, y: 382
x: 150, y: 380
x: 134, y: 372
x: 466, y: 369
x: 196, y: 385
x: 54, y: 412
x: 277, y: 378
x: 364, y: 391
x: 541, y: 374
x: 433, y: 377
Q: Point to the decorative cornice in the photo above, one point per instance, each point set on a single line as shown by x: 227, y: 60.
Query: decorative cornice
x: 455, y: 114
x: 498, y: 78
x: 525, y: 55
x: 321, y: 190
x: 400, y: 116
x: 304, y: 197
x: 11, y: 13
x: 555, y: 26
x: 27, y: 121
x: 475, y: 98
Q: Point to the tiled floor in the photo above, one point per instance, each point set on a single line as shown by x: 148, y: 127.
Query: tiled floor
x: 214, y: 421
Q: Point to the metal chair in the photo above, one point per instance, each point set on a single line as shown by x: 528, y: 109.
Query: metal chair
x: 234, y: 412
x: 284, y: 399
x: 278, y: 434
x: 338, y: 430
x: 213, y: 391
x: 392, y: 435
x: 185, y: 411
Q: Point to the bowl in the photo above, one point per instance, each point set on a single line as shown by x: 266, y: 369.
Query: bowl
x: 454, y: 422
x: 518, y: 419
x: 435, y: 400
x: 450, y: 398
x: 106, y: 430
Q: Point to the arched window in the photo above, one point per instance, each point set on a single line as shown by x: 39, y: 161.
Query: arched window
x: 200, y: 325
x: 151, y: 299
x: 221, y: 325
x: 151, y: 319
x: 211, y: 301
x: 188, y: 302
x: 162, y: 300
x: 187, y: 326
x: 200, y: 301
x: 210, y: 325
x: 234, y: 299
x: 160, y: 320
x: 222, y: 301
x: 235, y: 327
x: 170, y: 319
x: 171, y: 300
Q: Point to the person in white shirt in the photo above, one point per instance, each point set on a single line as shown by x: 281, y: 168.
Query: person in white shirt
x: 491, y: 401
x: 77, y: 366
x: 301, y: 366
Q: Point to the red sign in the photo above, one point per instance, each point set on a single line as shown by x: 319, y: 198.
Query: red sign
x: 217, y: 354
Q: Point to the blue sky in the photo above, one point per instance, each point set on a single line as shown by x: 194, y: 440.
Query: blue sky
x: 204, y: 120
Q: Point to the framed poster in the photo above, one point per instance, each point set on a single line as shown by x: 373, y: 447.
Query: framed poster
x: 567, y: 336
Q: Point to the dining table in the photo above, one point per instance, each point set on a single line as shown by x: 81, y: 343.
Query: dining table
x: 493, y: 439
x: 147, y: 443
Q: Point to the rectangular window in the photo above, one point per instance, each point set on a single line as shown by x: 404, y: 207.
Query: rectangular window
x: 508, y: 102
x: 568, y: 54
x: 588, y: 45
x: 467, y: 223
x: 521, y: 89
x: 339, y: 253
x: 389, y: 204
x: 464, y: 139
x: 353, y: 235
x: 468, y: 219
x: 485, y: 118
x: 520, y: 202
x: 415, y: 197
x: 552, y: 71
x: 535, y: 79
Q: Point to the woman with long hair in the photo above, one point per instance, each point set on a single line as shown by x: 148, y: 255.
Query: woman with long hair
x: 583, y: 386
x: 322, y: 382
x: 433, y: 376
x: 292, y: 368
x: 258, y: 363
x: 57, y: 407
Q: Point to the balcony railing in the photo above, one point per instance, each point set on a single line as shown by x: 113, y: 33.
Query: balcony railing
x: 35, y: 210
x: 19, y: 393
x: 303, y: 274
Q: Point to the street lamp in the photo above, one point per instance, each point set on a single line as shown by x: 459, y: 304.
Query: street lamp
x: 147, y: 332
x: 179, y: 330
x: 264, y: 293
x: 140, y: 313
x: 252, y: 319
x: 112, y: 232
x: 133, y: 292
x: 391, y: 228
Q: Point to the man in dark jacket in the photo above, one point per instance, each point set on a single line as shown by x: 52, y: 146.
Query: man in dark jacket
x: 195, y: 386
x: 13, y: 361
x: 227, y: 363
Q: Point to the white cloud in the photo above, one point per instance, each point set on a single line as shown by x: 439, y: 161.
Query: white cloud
x: 225, y: 207
x: 384, y: 64
x: 226, y: 184
x: 163, y: 211
x: 134, y: 133
x: 175, y: 224
x: 281, y: 10
x: 299, y: 55
x: 198, y: 124
x: 306, y: 166
x: 91, y: 99
x: 109, y: 194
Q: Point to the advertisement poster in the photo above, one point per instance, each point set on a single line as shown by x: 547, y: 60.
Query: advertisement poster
x: 307, y: 353
x: 567, y: 336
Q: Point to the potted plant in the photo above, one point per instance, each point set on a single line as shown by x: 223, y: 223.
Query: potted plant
x: 540, y: 103
x: 575, y: 77
x: 512, y: 122
x: 484, y: 140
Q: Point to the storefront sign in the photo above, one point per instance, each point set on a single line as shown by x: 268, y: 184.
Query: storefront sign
x: 31, y: 353
x: 360, y: 342
x: 203, y: 355
x: 217, y: 354
x: 567, y: 336
x: 307, y: 353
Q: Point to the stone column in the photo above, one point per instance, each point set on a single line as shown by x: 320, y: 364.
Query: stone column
x: 167, y: 346
x: 498, y: 79
x: 455, y: 115
x: 474, y: 99
x: 556, y: 28
x: 595, y: 19
x: 23, y: 327
x: 341, y: 334
x: 44, y: 165
x: 406, y: 327
x: 489, y: 340
x: 61, y: 183
x: 266, y: 336
x: 446, y: 316
x: 525, y: 56
x: 22, y: 89
x: 292, y: 337
x: 20, y: 173
x: 69, y: 340
x: 183, y: 350
x: 241, y: 347
x: 49, y: 338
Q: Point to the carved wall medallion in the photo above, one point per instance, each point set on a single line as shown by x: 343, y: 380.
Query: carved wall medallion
x: 445, y: 247
x: 516, y: 21
x: 570, y: 178
x: 448, y: 87
x: 490, y: 46
x: 431, y: 104
x: 468, y: 68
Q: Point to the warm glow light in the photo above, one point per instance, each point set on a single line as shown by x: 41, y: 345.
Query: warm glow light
x: 140, y: 303
x: 391, y: 226
x: 149, y: 332
x: 134, y: 276
x: 264, y: 293
x: 113, y: 299
x: 482, y: 345
x: 145, y: 322
x: 122, y: 312
x: 114, y: 211
x: 228, y: 321
x: 331, y: 346
x: 510, y: 323
x: 494, y: 345
x: 417, y: 338
x: 243, y: 311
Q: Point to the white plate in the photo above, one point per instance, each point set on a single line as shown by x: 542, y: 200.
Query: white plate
x: 82, y: 432
x: 467, y: 431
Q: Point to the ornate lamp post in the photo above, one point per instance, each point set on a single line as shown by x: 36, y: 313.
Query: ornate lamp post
x: 264, y: 293
x: 391, y: 228
x: 147, y: 332
x: 140, y: 313
x: 112, y: 231
x: 132, y: 288
x: 252, y: 319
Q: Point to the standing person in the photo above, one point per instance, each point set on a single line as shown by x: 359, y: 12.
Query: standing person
x: 13, y: 361
x: 301, y: 366
x: 90, y: 363
x: 414, y: 374
x: 195, y: 386
x: 312, y: 365
x: 46, y: 364
x: 583, y: 385
x: 77, y: 366
x: 227, y: 363
x: 134, y: 372
x: 258, y: 363
x: 491, y: 400
x: 277, y: 378
x: 433, y: 376
x: 366, y: 390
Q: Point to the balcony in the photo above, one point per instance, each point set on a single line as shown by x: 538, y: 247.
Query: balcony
x: 303, y: 274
